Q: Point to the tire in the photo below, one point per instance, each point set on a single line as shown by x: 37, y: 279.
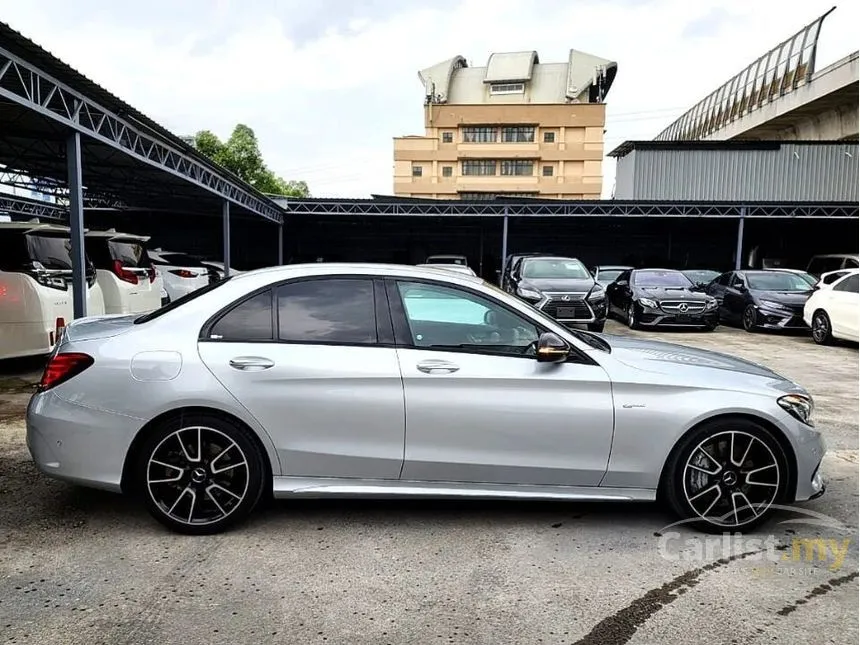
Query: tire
x: 217, y: 485
x: 597, y: 326
x: 710, y: 327
x: 749, y: 319
x: 686, y: 483
x: 822, y: 329
x: 632, y: 319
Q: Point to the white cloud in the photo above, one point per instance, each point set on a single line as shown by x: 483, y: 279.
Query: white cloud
x: 326, y: 103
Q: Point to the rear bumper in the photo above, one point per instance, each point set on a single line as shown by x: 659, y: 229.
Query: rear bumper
x: 78, y: 444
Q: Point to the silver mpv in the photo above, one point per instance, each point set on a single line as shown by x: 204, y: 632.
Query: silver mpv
x: 368, y: 380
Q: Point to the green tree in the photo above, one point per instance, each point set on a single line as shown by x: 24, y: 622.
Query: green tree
x: 241, y: 155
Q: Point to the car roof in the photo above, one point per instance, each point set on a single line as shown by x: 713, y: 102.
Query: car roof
x: 26, y: 227
x: 358, y: 268
x: 614, y: 267
x: 113, y: 233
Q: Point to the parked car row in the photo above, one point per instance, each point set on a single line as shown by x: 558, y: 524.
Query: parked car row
x: 755, y: 300
x: 123, y: 277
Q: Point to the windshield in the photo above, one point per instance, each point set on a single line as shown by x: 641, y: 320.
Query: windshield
x: 776, y: 281
x: 653, y: 278
x: 556, y: 268
x: 51, y: 251
x: 609, y: 275
x: 131, y: 253
x: 701, y: 276
x: 805, y: 276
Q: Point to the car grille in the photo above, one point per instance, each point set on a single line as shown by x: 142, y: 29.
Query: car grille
x: 678, y: 307
x: 574, y: 308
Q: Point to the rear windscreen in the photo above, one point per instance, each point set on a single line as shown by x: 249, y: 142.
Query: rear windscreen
x: 179, y: 260
x: 13, y: 250
x: 51, y: 251
x: 130, y: 253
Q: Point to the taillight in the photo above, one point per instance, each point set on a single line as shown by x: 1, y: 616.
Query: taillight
x: 151, y: 273
x: 183, y: 273
x: 59, y: 326
x: 62, y: 367
x: 124, y: 274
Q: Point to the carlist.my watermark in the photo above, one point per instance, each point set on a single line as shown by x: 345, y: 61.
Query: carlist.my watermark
x: 829, y: 551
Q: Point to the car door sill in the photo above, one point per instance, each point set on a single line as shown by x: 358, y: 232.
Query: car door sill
x: 330, y: 487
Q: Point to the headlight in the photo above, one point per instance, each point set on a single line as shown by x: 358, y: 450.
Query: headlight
x: 531, y: 294
x: 771, y: 304
x: 798, y: 406
x: 647, y: 302
x: 599, y: 293
x: 711, y: 304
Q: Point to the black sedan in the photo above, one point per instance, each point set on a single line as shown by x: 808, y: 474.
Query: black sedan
x: 764, y: 299
x: 661, y: 297
x: 606, y: 273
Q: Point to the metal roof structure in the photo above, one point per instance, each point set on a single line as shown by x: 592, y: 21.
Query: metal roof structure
x: 25, y: 207
x: 126, y: 157
x: 404, y: 206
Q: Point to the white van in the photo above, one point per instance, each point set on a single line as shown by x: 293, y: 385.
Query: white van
x: 124, y: 272
x: 36, y: 287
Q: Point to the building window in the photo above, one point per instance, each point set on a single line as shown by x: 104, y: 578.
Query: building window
x: 521, y: 167
x: 417, y: 170
x: 484, y: 197
x: 480, y: 134
x: 518, y: 134
x: 479, y: 167
x: 549, y: 137
x: 547, y: 171
x: 507, y: 88
x: 447, y: 171
x: 447, y: 137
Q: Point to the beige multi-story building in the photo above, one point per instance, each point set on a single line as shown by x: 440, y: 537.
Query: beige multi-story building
x: 517, y: 127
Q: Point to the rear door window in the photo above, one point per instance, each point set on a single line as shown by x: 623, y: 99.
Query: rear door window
x: 251, y: 320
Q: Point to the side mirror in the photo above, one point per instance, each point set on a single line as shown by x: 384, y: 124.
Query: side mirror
x: 552, y: 349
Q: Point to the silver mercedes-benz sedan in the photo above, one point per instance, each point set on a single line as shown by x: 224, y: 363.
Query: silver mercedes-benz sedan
x: 378, y: 380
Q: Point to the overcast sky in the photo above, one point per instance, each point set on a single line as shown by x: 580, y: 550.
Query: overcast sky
x: 326, y: 84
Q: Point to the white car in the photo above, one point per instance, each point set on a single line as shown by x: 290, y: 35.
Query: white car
x: 124, y: 272
x: 181, y: 273
x: 820, y: 264
x: 36, y: 287
x: 218, y: 267
x: 447, y: 259
x: 835, y: 312
x: 827, y: 279
x: 456, y: 268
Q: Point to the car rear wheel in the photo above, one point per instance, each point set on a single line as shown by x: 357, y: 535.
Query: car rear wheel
x: 726, y: 476
x: 750, y: 318
x: 822, y: 330
x: 200, y: 474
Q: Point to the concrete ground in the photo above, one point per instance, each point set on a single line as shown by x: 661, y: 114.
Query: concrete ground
x: 85, y: 567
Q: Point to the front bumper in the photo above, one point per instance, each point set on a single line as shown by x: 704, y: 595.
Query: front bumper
x: 78, y: 444
x: 810, y: 448
x: 656, y: 317
x: 780, y: 319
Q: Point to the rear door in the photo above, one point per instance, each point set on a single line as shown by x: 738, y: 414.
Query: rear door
x: 313, y: 361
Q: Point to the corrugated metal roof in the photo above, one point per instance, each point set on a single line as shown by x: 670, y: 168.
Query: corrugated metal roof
x: 510, y: 67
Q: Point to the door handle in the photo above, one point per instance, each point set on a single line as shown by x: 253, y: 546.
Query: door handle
x: 437, y: 367
x: 251, y: 363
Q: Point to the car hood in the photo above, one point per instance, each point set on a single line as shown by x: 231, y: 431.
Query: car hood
x: 654, y: 355
x: 662, y: 293
x: 784, y: 297
x: 559, y: 284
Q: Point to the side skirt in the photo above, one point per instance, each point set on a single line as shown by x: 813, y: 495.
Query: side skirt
x: 329, y: 487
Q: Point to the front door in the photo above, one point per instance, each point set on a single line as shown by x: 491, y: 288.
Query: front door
x: 480, y: 408
x: 304, y: 358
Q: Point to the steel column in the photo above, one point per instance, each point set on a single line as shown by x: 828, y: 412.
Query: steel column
x: 740, y: 245
x: 76, y: 224
x: 225, y: 217
x: 504, y: 245
x: 280, y: 244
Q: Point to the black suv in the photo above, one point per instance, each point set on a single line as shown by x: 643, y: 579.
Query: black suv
x: 560, y: 287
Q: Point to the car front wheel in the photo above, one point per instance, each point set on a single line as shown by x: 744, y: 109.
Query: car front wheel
x: 632, y: 317
x: 726, y: 476
x: 750, y: 318
x: 822, y: 330
x: 200, y: 474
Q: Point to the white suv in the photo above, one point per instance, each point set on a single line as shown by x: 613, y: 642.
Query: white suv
x: 124, y: 272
